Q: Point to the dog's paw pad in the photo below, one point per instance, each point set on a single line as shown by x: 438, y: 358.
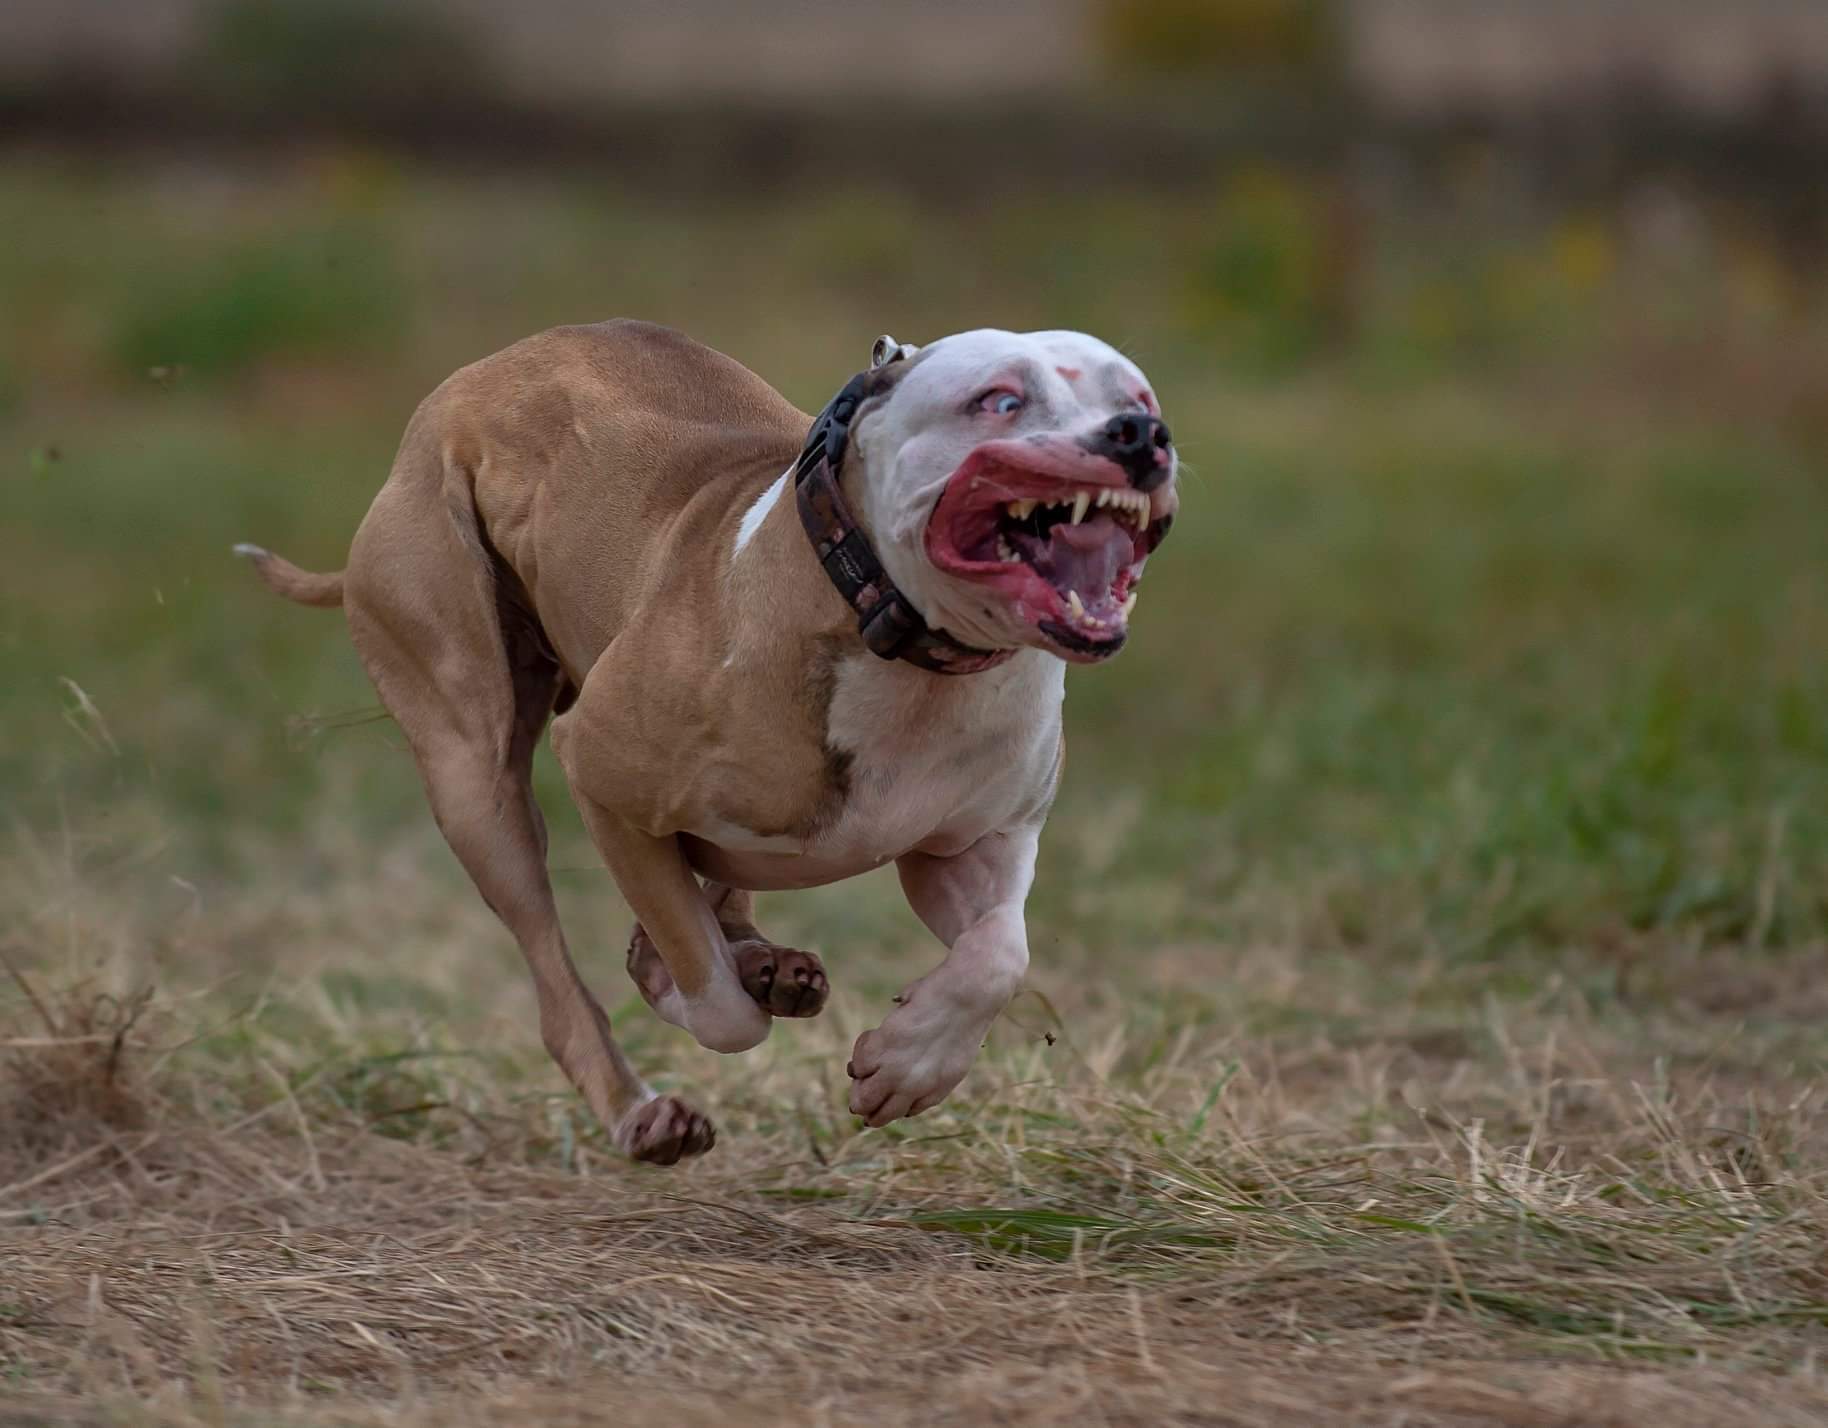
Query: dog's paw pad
x: 785, y: 980
x: 664, y: 1131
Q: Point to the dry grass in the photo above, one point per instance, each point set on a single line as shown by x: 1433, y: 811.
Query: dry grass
x: 239, y: 1204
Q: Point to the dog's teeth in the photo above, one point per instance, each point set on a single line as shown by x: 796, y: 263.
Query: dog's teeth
x: 1129, y: 604
x: 1075, y: 604
x: 1080, y: 503
x: 1105, y: 496
x: 1004, y: 553
x: 1021, y: 510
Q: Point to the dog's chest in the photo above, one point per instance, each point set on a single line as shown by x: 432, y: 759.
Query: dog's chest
x: 940, y: 756
x: 929, y: 762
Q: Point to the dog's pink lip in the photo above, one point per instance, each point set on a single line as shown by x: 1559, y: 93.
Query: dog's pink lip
x: 1038, y: 468
x: 1017, y: 468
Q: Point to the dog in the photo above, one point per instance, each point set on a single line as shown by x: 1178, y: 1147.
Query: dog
x: 774, y: 652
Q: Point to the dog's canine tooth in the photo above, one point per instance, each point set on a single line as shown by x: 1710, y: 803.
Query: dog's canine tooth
x: 1080, y: 503
x: 1129, y: 604
x: 1075, y: 604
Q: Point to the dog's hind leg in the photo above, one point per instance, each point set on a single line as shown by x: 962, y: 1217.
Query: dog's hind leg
x: 785, y: 980
x: 460, y: 664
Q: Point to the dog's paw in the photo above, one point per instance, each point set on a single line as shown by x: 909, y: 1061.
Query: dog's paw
x: 663, y: 1131
x: 785, y: 980
x: 908, y: 1064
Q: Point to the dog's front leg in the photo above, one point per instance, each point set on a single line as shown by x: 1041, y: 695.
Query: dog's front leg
x: 706, y: 997
x: 973, y: 903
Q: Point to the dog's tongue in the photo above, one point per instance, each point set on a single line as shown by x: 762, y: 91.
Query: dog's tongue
x: 1088, y: 557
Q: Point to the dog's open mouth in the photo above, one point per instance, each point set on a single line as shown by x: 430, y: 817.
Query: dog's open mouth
x: 1061, y: 535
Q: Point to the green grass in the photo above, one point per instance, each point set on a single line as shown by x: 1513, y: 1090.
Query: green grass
x: 1427, y: 938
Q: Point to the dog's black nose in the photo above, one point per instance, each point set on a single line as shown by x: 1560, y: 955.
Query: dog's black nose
x: 1141, y: 444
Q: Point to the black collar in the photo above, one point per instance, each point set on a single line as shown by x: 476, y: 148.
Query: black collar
x: 889, y: 624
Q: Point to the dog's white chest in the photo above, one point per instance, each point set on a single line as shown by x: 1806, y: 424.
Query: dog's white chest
x: 936, y: 758
x: 932, y: 762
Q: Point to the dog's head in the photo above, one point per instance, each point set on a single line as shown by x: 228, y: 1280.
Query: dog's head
x: 1013, y: 486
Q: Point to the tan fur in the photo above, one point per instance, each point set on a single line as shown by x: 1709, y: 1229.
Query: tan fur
x: 559, y: 535
x: 284, y: 578
x: 541, y: 540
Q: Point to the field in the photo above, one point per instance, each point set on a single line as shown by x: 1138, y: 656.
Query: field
x: 1429, y: 1006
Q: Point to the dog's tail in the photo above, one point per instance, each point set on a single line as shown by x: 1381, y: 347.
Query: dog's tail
x: 305, y: 586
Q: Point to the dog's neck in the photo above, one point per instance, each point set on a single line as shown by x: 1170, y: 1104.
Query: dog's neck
x: 782, y: 595
x: 788, y: 614
x: 889, y: 624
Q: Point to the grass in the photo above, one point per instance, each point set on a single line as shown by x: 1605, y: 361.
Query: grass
x: 1424, y: 1023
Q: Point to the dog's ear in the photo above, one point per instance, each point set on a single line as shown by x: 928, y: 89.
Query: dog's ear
x: 888, y: 350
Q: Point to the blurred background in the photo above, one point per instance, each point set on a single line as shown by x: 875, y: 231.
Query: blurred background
x: 1493, y: 331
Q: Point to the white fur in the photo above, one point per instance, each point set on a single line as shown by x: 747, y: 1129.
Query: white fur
x: 951, y: 777
x: 915, y: 439
x: 757, y: 513
x: 936, y: 764
x: 927, y: 1044
x: 734, y: 839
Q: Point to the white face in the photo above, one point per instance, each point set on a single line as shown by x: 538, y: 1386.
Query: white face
x: 1013, y: 485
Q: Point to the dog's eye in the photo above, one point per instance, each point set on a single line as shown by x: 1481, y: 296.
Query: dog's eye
x: 1002, y: 402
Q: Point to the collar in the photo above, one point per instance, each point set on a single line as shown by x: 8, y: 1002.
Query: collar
x: 888, y: 622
